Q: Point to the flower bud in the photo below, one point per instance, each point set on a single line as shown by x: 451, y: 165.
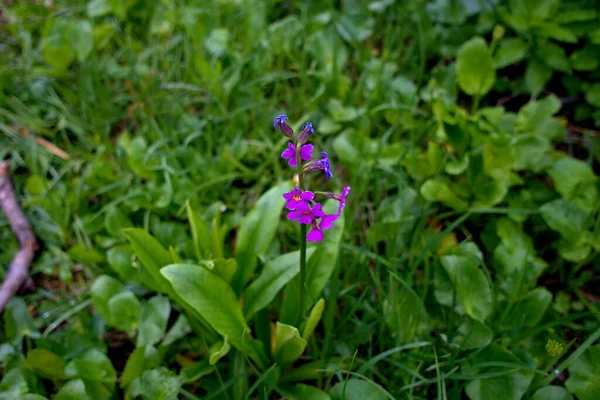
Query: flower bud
x: 285, y: 128
x: 307, y: 130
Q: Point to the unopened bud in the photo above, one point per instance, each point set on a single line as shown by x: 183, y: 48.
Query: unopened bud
x: 307, y: 130
x: 285, y: 128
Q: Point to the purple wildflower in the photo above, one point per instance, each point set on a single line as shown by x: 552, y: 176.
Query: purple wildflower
x: 290, y: 152
x: 327, y: 221
x: 315, y: 234
x: 305, y: 215
x: 324, y: 165
x: 308, y: 126
x: 296, y: 196
x: 342, y: 199
x: 280, y: 120
x: 307, y: 130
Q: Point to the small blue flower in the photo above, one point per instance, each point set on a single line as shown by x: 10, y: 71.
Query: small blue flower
x: 325, y: 165
x: 308, y: 126
x: 279, y: 120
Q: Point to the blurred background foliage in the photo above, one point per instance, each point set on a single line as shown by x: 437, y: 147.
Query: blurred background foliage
x: 468, y: 130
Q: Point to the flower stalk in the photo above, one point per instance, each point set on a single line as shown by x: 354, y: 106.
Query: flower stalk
x: 301, y: 202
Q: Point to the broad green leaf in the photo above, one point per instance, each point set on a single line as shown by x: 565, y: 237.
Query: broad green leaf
x: 152, y: 255
x: 575, y: 181
x: 531, y: 152
x: 218, y: 351
x: 153, y: 320
x: 156, y: 384
x: 583, y: 379
x: 473, y: 290
x: 552, y: 393
x: 92, y: 366
x: 180, y: 329
x: 592, y: 94
x: 536, y: 76
x: 511, y: 385
x: 46, y: 364
x: 197, y: 370
x: 120, y: 258
x: 225, y: 268
x: 200, y: 234
x: 81, y: 37
x: 305, y: 392
x: 289, y: 345
x: 142, y: 358
x: 406, y: 314
x: 319, y: 267
x: 475, y: 68
x: 510, y: 51
x: 85, y: 254
x: 357, y: 389
x: 103, y: 289
x: 115, y: 220
x: 584, y: 59
x: 17, y: 320
x: 256, y: 232
x: 555, y: 31
x: 355, y: 27
x: 436, y: 190
x: 274, y: 276
x: 528, y: 311
x: 313, y: 319
x: 73, y: 390
x: 214, y: 299
x: 532, y: 114
x: 473, y: 335
x: 124, y: 311
x: 565, y: 217
x: 315, y: 370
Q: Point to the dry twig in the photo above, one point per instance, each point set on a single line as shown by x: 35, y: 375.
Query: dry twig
x: 17, y: 274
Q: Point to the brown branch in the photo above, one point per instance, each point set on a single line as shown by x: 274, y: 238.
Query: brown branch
x: 17, y: 274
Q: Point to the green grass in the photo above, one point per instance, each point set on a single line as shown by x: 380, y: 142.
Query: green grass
x: 471, y: 233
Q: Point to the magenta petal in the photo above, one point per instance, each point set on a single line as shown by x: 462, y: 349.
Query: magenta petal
x: 288, y: 195
x: 288, y: 154
x: 306, y: 152
x: 305, y: 219
x: 291, y: 146
x: 307, y: 195
x: 291, y: 204
x: 293, y: 162
x: 314, y: 235
x: 327, y: 222
x: 302, y: 206
x: 294, y: 215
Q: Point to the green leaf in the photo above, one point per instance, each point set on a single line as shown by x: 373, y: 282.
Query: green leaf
x: 565, y: 217
x: 357, y: 389
x: 584, y: 59
x: 17, y: 320
x: 475, y: 68
x: 73, y: 390
x: 305, y: 392
x: 103, y: 289
x: 180, y: 329
x: 575, y: 181
x: 82, y: 39
x: 536, y: 77
x: 200, y: 234
x: 92, y: 366
x: 473, y: 290
x: 274, y: 276
x: 85, y: 254
x: 288, y: 344
x: 552, y: 393
x: 436, y: 190
x: 120, y: 260
x: 115, y: 220
x: 583, y: 379
x: 152, y: 255
x: 225, y: 268
x: 157, y: 384
x: 592, y: 94
x: 124, y: 311
x: 46, y: 364
x: 355, y: 27
x: 153, y: 320
x: 313, y: 319
x: 557, y: 32
x: 142, y: 358
x: 256, y: 232
x: 98, y: 8
x: 214, y: 299
x: 406, y: 314
x: 531, y: 152
x: 218, y: 351
x: 506, y: 386
x: 473, y: 335
x: 510, y: 51
x: 319, y: 268
x: 528, y: 311
x: 197, y: 370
